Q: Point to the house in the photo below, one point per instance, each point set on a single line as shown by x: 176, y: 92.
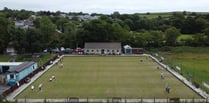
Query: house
x: 84, y: 17
x: 24, y: 24
x: 10, y: 51
x: 137, y: 50
x: 127, y: 49
x: 13, y: 72
x: 4, y: 67
x: 62, y: 15
x: 102, y: 48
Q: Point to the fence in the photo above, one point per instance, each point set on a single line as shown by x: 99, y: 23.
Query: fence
x: 21, y: 82
x: 113, y: 100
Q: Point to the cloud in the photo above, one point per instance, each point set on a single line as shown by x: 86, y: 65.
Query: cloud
x: 108, y: 6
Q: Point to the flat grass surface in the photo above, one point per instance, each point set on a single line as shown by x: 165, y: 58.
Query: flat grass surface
x: 107, y: 77
x: 196, y: 64
x: 45, y: 58
x: 4, y: 58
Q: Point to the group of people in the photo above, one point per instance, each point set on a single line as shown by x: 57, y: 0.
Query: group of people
x: 59, y: 63
x: 167, y: 88
x: 39, y: 87
x: 162, y: 76
x: 52, y: 78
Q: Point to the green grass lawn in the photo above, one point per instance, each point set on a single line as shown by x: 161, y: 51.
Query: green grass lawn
x: 107, y: 77
x: 196, y: 64
x: 4, y: 58
x: 45, y: 58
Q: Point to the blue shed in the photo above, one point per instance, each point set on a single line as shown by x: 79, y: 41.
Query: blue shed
x: 19, y: 72
x: 5, y: 66
x: 127, y: 49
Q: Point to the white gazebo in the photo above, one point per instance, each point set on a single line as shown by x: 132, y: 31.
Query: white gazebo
x: 127, y: 49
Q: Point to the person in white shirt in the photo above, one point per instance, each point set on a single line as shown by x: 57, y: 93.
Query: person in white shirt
x: 40, y: 87
x: 32, y: 88
x: 162, y: 75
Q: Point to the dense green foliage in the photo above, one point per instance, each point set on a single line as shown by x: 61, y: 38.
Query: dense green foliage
x: 138, y: 30
x: 41, y: 59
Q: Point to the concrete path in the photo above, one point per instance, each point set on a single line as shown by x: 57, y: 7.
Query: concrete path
x: 183, y: 79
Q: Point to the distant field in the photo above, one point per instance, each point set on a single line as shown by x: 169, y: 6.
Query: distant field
x: 154, y: 15
x: 107, y: 77
x: 196, y: 64
x: 151, y: 16
x: 185, y: 37
x: 168, y: 14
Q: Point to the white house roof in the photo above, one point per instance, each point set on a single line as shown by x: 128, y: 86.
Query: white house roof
x: 103, y: 45
x: 10, y: 63
x: 127, y: 47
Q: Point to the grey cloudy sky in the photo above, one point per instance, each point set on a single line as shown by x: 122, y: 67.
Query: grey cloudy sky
x: 108, y: 6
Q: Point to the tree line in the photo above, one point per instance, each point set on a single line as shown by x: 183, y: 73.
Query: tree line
x: 138, y: 30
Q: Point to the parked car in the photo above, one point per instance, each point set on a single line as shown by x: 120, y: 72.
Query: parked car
x: 68, y: 51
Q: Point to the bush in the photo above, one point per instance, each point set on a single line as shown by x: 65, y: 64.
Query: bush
x: 165, y: 49
x: 197, y: 85
x: 175, y: 100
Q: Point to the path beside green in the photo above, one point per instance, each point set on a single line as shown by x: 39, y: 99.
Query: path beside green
x: 192, y: 64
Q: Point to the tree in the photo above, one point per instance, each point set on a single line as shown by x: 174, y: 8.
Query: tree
x: 200, y: 25
x: 60, y: 23
x: 119, y: 33
x: 18, y: 39
x: 115, y: 14
x: 136, y: 39
x: 157, y: 37
x: 199, y: 40
x: 129, y: 23
x: 206, y: 32
x: 145, y: 24
x: 23, y: 14
x: 70, y: 34
x: 96, y: 31
x: 4, y: 33
x: 189, y: 26
x: 177, y: 20
x: 171, y: 35
x: 33, y: 41
x: 47, y: 29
